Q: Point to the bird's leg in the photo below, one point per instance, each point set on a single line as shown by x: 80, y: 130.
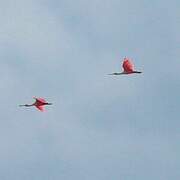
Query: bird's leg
x: 48, y: 104
x: 137, y: 72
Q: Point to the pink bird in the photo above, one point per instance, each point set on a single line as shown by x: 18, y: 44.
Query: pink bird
x: 128, y: 68
x: 39, y: 104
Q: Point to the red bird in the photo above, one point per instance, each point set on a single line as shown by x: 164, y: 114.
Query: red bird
x: 39, y: 104
x: 128, y: 68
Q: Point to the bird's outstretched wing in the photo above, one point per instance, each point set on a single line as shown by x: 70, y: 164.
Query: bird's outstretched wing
x: 41, y: 108
x: 127, y: 65
x: 40, y: 100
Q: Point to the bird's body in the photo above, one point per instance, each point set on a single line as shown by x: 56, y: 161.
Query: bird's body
x: 127, y: 67
x: 39, y: 104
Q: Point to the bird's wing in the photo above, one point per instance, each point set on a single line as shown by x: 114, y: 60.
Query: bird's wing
x: 127, y: 65
x: 41, y: 100
x: 41, y: 108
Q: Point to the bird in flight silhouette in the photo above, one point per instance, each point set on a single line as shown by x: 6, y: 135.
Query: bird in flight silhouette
x: 128, y: 68
x: 39, y: 104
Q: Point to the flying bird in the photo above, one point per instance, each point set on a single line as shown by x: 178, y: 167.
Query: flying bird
x: 128, y: 68
x: 39, y: 104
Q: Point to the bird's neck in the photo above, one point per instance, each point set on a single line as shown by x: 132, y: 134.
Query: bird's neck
x: 120, y: 73
x: 29, y: 105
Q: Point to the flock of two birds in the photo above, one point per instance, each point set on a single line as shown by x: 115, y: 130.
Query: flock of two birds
x: 128, y: 68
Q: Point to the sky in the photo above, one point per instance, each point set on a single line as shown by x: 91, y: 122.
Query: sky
x: 99, y: 127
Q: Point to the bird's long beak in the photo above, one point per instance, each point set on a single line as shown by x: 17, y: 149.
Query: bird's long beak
x: 21, y: 105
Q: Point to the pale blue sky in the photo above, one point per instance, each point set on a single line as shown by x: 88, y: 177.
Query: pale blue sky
x: 100, y: 127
